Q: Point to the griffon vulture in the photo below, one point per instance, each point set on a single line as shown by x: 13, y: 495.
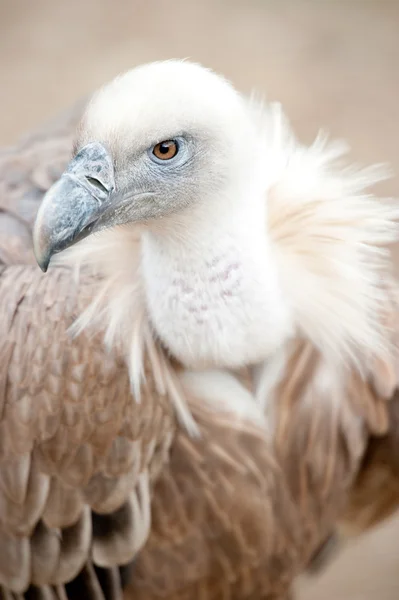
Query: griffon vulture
x: 202, y: 398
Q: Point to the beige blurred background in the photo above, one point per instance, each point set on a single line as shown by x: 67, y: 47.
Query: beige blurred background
x: 332, y: 63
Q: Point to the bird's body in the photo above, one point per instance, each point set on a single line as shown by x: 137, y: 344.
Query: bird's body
x: 238, y: 510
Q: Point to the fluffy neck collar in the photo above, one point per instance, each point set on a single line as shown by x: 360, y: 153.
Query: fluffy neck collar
x: 331, y: 238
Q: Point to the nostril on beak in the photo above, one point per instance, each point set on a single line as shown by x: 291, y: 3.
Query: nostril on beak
x: 96, y: 183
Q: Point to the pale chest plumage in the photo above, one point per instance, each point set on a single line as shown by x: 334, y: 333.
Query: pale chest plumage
x: 211, y: 304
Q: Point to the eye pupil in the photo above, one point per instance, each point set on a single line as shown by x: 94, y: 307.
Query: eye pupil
x: 166, y: 150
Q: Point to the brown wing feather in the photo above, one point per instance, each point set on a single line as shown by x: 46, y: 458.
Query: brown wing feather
x: 231, y: 521
x: 375, y: 492
x: 214, y: 528
x: 65, y: 446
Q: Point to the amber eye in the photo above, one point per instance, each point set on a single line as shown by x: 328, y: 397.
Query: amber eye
x: 166, y: 150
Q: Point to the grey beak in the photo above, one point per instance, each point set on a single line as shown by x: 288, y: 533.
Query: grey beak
x: 71, y: 207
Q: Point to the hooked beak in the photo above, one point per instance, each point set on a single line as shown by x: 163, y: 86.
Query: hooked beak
x: 73, y: 205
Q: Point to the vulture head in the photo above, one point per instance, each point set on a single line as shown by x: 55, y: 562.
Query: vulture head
x: 155, y: 144
x: 247, y: 238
